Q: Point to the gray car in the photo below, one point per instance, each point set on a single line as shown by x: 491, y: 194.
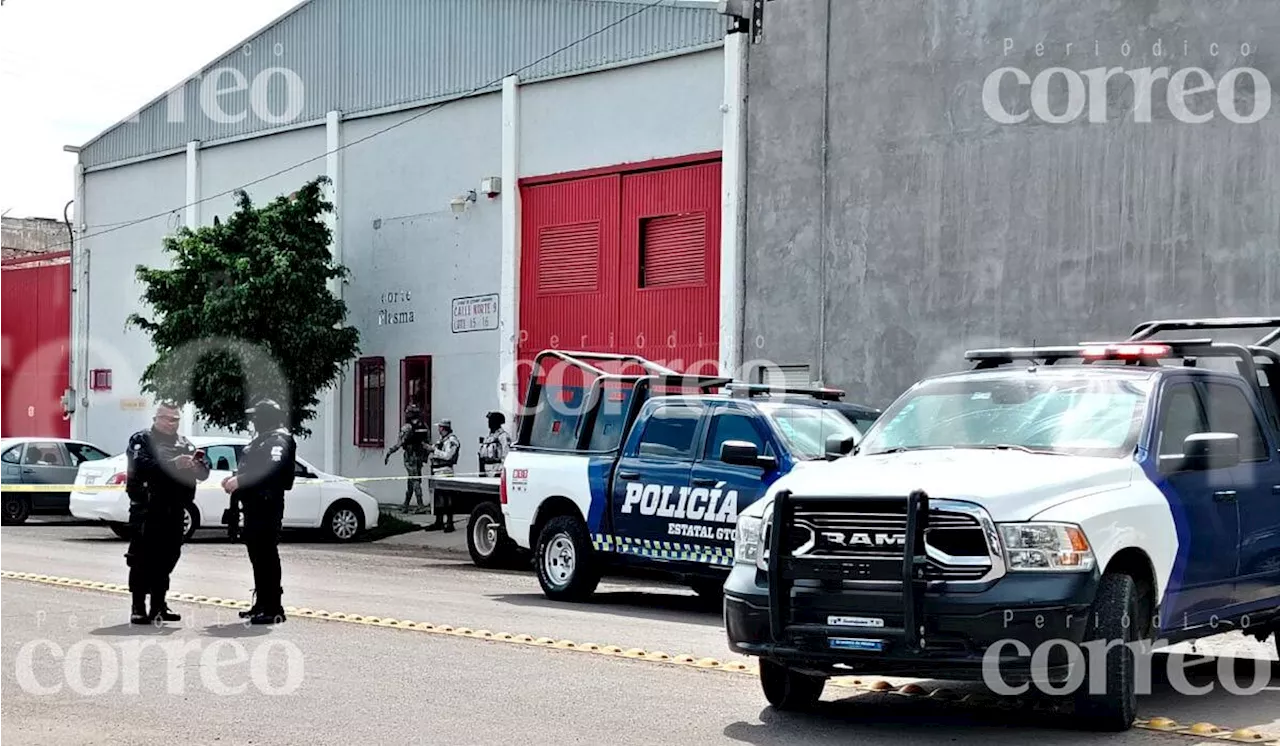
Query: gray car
x: 36, y: 461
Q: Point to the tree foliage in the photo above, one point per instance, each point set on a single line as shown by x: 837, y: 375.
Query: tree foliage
x: 245, y: 311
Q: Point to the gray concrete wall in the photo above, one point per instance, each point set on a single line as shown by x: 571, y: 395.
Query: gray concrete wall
x: 22, y: 237
x: 928, y: 226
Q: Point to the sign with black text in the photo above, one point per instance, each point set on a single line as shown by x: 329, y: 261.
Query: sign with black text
x: 475, y: 313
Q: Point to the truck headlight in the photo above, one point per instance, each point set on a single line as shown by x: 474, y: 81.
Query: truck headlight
x: 1046, y: 546
x: 746, y: 544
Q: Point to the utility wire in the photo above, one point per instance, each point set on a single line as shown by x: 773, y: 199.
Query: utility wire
x: 429, y: 109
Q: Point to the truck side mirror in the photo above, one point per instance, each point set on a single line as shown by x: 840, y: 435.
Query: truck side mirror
x: 742, y: 453
x: 1202, y: 451
x: 837, y: 446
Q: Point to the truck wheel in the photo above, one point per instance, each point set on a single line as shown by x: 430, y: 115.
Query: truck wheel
x: 566, y: 560
x: 487, y: 540
x: 787, y: 689
x: 1113, y: 618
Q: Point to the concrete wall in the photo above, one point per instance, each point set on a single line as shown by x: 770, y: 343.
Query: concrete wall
x: 20, y: 237
x: 110, y: 197
x: 926, y: 226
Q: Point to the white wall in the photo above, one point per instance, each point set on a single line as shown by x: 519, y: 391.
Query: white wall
x: 668, y: 107
x: 401, y: 236
x: 397, y: 231
x: 117, y: 196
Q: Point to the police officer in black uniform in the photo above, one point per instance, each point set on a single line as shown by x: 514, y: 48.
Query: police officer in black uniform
x: 163, y: 470
x: 265, y: 473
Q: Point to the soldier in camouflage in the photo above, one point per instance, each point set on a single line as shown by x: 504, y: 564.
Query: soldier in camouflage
x: 415, y: 440
x: 494, y: 446
x: 443, y: 458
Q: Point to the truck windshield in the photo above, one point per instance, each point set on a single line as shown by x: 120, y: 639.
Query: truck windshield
x: 805, y: 430
x: 1084, y: 416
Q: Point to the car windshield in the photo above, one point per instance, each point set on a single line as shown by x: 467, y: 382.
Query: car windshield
x: 1076, y: 415
x: 805, y: 430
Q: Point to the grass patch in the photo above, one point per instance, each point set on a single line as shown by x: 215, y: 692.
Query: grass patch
x: 390, y: 524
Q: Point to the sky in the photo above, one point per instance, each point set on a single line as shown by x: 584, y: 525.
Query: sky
x: 70, y: 69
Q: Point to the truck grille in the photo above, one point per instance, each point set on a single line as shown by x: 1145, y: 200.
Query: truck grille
x: 872, y: 533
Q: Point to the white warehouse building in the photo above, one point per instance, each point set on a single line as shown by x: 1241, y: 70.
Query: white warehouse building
x: 492, y: 181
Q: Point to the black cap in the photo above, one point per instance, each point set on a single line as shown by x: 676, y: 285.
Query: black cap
x: 266, y: 406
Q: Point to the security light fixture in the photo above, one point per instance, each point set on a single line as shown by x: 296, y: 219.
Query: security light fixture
x: 459, y: 204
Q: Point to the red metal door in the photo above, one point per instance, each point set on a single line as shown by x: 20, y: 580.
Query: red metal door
x: 36, y: 316
x: 670, y: 278
x: 569, y: 271
x: 622, y: 263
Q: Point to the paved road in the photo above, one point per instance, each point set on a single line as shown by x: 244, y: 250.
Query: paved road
x: 384, y: 683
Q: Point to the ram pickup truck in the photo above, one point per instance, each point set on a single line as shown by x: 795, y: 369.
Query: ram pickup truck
x: 1104, y: 496
x: 625, y: 471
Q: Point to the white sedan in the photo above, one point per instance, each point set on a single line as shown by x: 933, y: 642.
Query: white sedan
x: 336, y: 505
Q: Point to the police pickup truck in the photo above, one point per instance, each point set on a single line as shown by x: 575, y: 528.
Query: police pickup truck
x: 1091, y: 499
x: 625, y: 471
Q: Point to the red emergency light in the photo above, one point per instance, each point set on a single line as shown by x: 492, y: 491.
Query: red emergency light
x: 1127, y: 351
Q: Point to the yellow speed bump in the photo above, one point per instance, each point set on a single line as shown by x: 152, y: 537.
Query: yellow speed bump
x: 1160, y: 724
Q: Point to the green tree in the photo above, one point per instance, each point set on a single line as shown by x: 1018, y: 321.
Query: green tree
x: 245, y: 311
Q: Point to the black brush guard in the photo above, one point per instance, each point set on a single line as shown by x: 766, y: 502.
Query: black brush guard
x: 785, y: 569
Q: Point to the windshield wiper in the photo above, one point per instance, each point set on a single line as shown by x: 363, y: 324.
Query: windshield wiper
x: 903, y: 449
x: 1008, y: 447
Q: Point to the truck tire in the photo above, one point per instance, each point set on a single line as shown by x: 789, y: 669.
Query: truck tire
x: 487, y: 540
x: 1114, y: 616
x: 565, y: 560
x: 789, y: 690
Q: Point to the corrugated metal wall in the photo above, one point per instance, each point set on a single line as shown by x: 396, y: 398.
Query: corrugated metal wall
x: 606, y: 309
x: 363, y: 55
x: 36, y: 319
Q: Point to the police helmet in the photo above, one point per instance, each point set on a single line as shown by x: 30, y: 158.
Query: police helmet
x: 412, y: 412
x: 496, y: 420
x: 446, y: 424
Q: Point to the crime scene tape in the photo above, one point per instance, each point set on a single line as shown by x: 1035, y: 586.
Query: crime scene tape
x: 217, y: 485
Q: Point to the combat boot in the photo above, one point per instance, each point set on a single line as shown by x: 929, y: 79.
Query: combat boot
x: 253, y: 607
x: 160, y: 610
x: 139, y: 613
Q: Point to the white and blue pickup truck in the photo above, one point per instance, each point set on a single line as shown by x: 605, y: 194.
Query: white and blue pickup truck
x: 610, y: 469
x: 1093, y: 498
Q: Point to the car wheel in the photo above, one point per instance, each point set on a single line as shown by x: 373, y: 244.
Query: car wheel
x: 567, y: 567
x: 190, y: 522
x: 1112, y: 619
x: 787, y: 689
x: 119, y: 529
x: 487, y: 540
x: 343, y: 521
x: 17, y: 508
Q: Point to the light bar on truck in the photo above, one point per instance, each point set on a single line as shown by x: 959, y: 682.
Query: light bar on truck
x: 1125, y: 351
